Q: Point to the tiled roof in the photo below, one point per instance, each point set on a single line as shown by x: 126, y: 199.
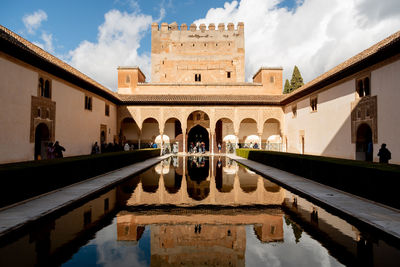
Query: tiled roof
x: 376, y: 53
x: 390, y: 43
x: 12, y: 38
x: 201, y: 99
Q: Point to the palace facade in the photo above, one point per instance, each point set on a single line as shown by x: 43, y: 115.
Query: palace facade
x: 198, y: 93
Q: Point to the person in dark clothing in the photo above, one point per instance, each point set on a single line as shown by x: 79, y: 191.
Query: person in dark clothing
x: 370, y: 148
x: 58, y: 150
x: 384, y: 154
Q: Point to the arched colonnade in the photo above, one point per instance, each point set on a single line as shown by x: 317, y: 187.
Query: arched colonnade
x: 179, y: 127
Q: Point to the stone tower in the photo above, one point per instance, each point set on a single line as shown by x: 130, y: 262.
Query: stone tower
x: 193, y: 55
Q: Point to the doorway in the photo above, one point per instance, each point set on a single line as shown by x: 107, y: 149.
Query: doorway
x: 42, y: 138
x: 364, y: 145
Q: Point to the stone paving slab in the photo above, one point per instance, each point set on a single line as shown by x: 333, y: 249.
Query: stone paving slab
x: 16, y: 216
x: 384, y: 218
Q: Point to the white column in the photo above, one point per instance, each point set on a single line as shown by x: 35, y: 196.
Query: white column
x: 212, y: 143
x: 184, y: 140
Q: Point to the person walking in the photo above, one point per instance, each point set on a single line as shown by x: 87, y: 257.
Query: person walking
x: 384, y: 154
x: 58, y: 150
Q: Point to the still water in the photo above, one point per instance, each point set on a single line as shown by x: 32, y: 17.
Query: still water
x: 196, y: 211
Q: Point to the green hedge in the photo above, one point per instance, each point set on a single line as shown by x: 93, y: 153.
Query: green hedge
x: 23, y: 180
x: 378, y: 182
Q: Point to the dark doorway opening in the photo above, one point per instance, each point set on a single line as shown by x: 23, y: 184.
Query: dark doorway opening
x: 364, y: 145
x: 42, y: 137
x: 198, y: 134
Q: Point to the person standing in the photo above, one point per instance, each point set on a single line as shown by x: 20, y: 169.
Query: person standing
x: 219, y: 147
x: 384, y: 154
x: 370, y: 148
x: 58, y: 150
x: 126, y: 147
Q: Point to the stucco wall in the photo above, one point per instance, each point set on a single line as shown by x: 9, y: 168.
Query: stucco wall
x: 385, y: 82
x: 326, y: 131
x: 17, y: 84
x: 75, y: 128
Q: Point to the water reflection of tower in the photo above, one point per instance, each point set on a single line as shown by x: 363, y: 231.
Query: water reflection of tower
x: 173, y: 245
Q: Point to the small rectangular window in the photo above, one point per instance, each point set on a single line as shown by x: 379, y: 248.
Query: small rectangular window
x: 228, y: 74
x: 314, y: 103
x: 294, y: 111
x: 272, y: 79
x: 88, y: 102
x: 197, y: 77
x: 107, y: 111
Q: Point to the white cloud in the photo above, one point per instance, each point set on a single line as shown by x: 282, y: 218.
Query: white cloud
x: 117, y: 44
x: 47, y: 42
x: 315, y: 36
x: 32, y: 22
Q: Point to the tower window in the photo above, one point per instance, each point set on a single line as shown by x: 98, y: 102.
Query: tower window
x: 272, y: 79
x: 228, y: 74
x: 128, y: 79
x: 197, y: 77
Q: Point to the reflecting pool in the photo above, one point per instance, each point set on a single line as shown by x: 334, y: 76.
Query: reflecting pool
x: 196, y: 211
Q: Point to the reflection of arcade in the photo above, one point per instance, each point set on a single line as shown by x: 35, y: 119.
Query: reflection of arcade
x: 221, y: 241
x: 203, y: 180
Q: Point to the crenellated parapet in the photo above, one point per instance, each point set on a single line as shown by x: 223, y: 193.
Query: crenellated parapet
x: 197, y: 53
x: 164, y: 27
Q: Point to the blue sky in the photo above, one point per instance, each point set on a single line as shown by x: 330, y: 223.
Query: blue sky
x: 98, y: 36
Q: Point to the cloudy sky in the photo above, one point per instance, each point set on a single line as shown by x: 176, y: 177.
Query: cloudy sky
x: 97, y: 36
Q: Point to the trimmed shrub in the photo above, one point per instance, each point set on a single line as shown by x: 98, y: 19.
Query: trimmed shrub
x: 24, y: 180
x: 375, y: 181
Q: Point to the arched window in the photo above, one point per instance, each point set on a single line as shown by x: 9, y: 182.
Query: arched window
x: 363, y: 86
x: 128, y: 79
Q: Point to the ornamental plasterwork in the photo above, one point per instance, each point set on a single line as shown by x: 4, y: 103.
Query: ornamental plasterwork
x: 364, y: 111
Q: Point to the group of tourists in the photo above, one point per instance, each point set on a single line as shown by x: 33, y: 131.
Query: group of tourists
x: 200, y: 147
x: 110, y: 147
x: 55, y: 151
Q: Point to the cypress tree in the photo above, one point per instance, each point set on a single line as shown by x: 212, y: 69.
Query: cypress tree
x: 297, y: 80
x: 286, y: 89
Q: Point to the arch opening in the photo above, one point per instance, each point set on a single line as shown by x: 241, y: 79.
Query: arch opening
x: 225, y: 135
x: 150, y: 130
x: 130, y: 132
x: 271, y: 137
x: 247, y: 133
x: 173, y: 129
x: 197, y: 136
